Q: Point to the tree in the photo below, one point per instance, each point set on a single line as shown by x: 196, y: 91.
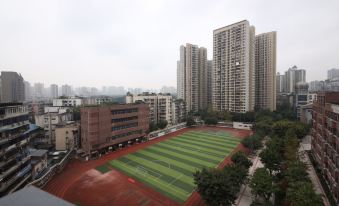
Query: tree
x: 272, y: 155
x: 162, y: 124
x: 262, y: 184
x: 190, y: 121
x: 252, y: 142
x: 291, y: 148
x: 152, y: 127
x: 76, y: 113
x: 240, y: 159
x: 219, y: 187
x: 303, y: 194
x: 280, y: 127
x: 211, y: 121
x: 243, y: 117
x: 271, y: 158
x: 297, y: 172
x: 301, y: 129
x: 263, y: 127
x: 257, y: 203
x: 224, y: 115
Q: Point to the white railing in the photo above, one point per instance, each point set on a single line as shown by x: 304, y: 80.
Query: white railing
x: 165, y: 131
x: 42, y: 181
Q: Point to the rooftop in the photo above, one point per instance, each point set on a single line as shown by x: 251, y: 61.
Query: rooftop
x: 32, y: 196
x: 39, y: 153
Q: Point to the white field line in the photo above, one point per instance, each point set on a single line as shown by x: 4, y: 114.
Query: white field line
x: 175, y: 180
x: 161, y: 183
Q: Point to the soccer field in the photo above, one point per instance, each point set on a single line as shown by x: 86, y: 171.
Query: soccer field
x: 168, y: 166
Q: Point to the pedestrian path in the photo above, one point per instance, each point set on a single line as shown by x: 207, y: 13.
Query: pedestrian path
x: 245, y: 196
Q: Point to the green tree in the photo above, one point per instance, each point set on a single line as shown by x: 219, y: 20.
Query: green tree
x: 257, y: 203
x: 271, y: 158
x: 297, y: 172
x: 152, y: 127
x: 162, y: 124
x: 262, y: 184
x: 224, y: 115
x: 190, y: 121
x: 76, y: 113
x: 263, y: 127
x: 219, y: 187
x: 252, y: 142
x: 240, y: 159
x: 291, y: 147
x: 303, y: 194
x: 301, y: 129
x: 280, y: 127
x: 211, y: 121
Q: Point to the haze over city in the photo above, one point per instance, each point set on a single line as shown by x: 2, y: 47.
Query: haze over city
x: 136, y: 43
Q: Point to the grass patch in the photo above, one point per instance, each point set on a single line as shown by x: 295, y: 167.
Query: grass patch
x: 103, y: 168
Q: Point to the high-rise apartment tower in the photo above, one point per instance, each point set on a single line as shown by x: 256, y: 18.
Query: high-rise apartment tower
x: 265, y: 69
x: 233, y: 67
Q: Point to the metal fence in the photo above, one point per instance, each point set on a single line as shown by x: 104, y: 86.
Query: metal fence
x: 165, y: 131
x: 43, y: 180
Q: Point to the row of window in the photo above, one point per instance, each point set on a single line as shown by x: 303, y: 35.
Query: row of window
x: 126, y: 126
x: 13, y: 120
x: 124, y: 111
x: 126, y: 134
x: 126, y: 119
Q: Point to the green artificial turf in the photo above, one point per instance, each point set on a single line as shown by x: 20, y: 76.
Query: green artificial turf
x: 168, y: 166
x: 103, y: 168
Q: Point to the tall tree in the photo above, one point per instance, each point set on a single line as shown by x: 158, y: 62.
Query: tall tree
x: 220, y: 187
x: 190, y: 121
x: 303, y: 194
x: 262, y: 184
x: 240, y: 159
x: 271, y: 158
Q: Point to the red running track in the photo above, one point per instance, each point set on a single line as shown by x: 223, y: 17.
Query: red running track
x: 81, y: 184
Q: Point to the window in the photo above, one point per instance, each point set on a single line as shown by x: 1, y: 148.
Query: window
x: 125, y: 126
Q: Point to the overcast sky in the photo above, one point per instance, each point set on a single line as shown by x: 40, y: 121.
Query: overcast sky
x: 136, y: 43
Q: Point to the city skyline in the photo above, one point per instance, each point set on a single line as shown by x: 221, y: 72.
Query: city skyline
x: 102, y: 44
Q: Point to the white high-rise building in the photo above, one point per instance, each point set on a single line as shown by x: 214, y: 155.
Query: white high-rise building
x: 192, y: 77
x: 28, y: 91
x: 233, y: 67
x: 293, y: 76
x: 332, y: 73
x: 181, y: 75
x: 39, y: 90
x: 280, y: 83
x: 54, y: 91
x: 209, y: 83
x: 66, y: 90
x: 265, y: 71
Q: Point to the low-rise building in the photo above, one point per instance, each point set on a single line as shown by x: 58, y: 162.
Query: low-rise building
x: 325, y: 138
x: 68, y: 102
x: 160, y: 105
x: 15, y: 161
x: 306, y: 113
x: 105, y: 127
x: 67, y: 137
x: 39, y: 162
x: 52, y: 118
x: 97, y: 100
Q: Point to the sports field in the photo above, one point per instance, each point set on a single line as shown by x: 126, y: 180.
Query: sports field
x: 168, y: 166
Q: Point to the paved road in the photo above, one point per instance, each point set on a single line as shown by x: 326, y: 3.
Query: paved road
x: 245, y: 197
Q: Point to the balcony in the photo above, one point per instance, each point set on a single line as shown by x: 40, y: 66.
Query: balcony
x: 14, y: 167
